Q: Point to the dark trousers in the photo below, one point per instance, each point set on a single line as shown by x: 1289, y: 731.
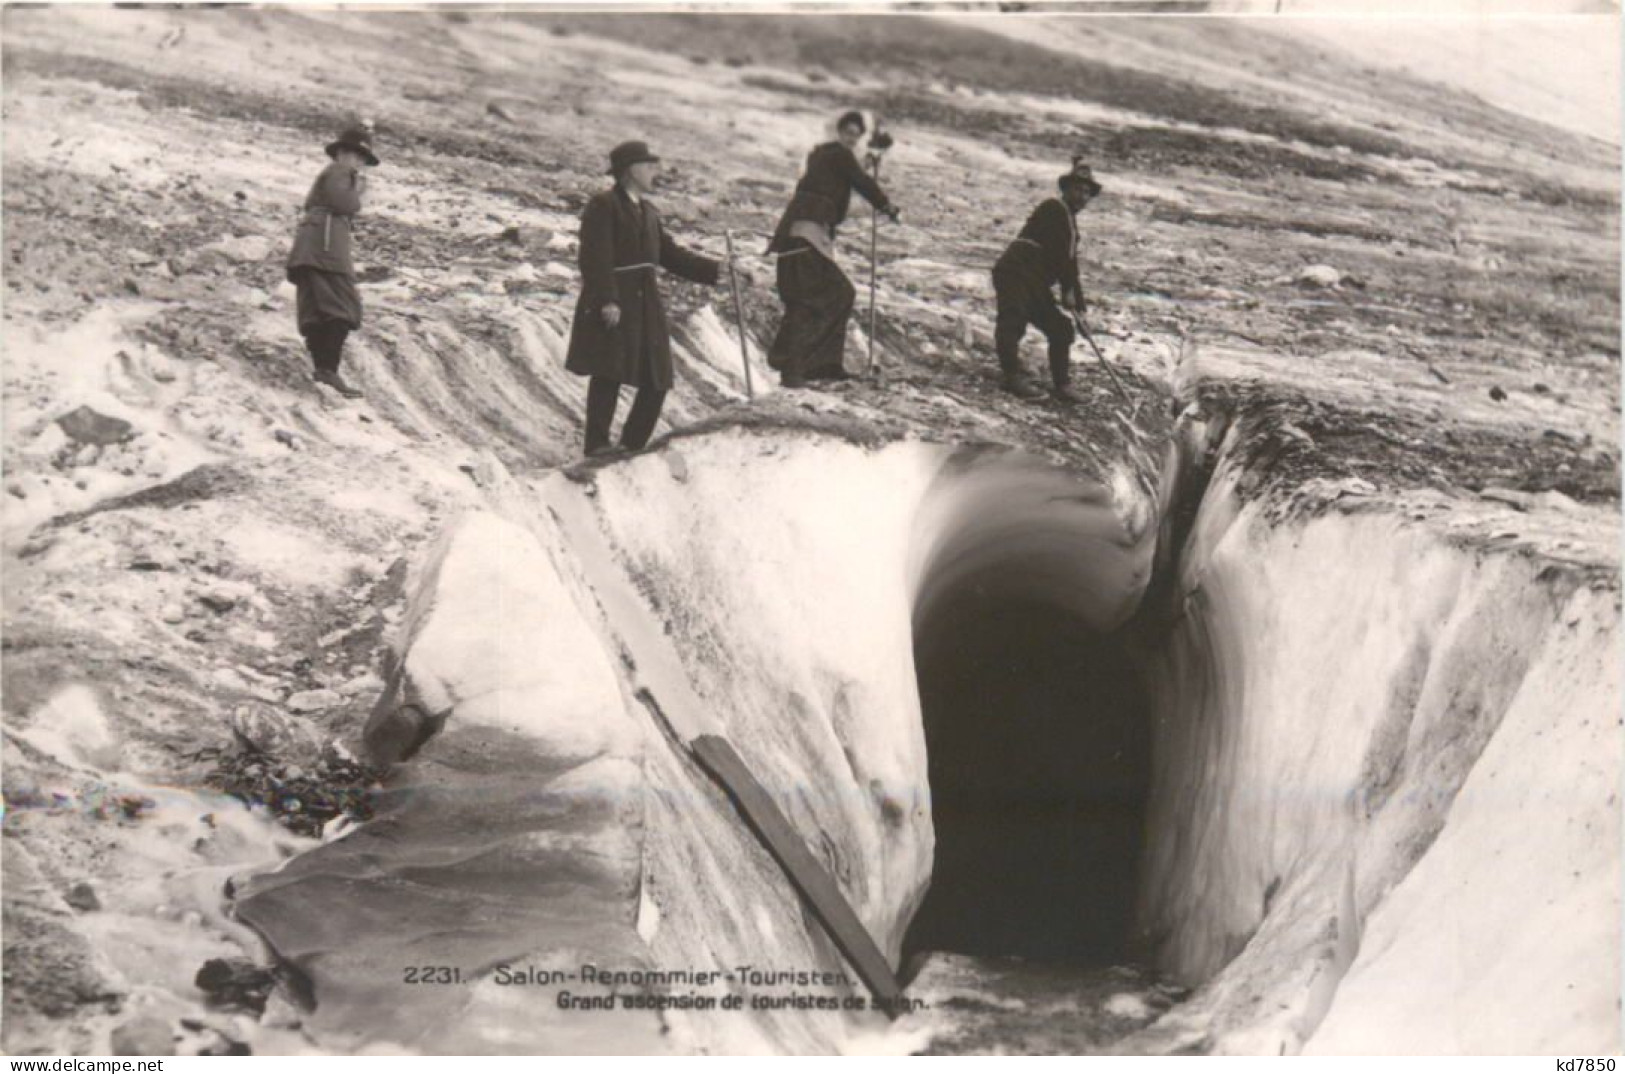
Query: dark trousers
x: 326, y: 343
x: 818, y: 300
x: 1025, y: 302
x: 603, y: 395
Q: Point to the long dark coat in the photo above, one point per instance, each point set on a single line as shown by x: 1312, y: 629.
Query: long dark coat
x: 622, y: 243
x: 323, y: 239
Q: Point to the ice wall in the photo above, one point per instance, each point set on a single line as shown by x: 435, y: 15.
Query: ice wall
x: 1385, y: 815
x: 1384, y: 770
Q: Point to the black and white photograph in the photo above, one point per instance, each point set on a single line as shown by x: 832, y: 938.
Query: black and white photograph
x: 1025, y: 528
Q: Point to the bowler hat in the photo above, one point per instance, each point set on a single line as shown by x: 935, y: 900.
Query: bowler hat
x: 1080, y: 175
x: 357, y: 140
x: 627, y: 154
x: 852, y: 119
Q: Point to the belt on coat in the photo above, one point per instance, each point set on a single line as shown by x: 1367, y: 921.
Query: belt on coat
x: 327, y: 223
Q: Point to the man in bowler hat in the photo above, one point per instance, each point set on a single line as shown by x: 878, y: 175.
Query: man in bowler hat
x: 619, y: 335
x: 1043, y: 255
x: 328, y: 305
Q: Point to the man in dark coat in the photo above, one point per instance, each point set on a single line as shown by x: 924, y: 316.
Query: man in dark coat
x: 619, y: 335
x: 319, y: 265
x: 1043, y: 255
x: 817, y: 296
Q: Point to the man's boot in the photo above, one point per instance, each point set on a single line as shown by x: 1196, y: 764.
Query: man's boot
x: 1063, y: 393
x: 331, y: 378
x: 1019, y: 386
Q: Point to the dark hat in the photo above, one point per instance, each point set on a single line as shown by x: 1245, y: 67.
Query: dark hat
x: 627, y: 154
x: 850, y: 119
x: 358, y: 140
x: 1080, y: 175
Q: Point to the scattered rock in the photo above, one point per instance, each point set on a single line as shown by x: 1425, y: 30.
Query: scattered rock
x: 1127, y: 1005
x: 362, y: 684
x: 1293, y: 432
x: 273, y: 733
x: 1357, y: 486
x: 173, y: 614
x: 284, y: 437
x: 217, y: 602
x: 82, y: 897
x: 1556, y: 501
x: 314, y: 700
x: 501, y: 112
x: 1497, y: 394
x: 1511, y: 497
x: 144, y: 1035
x: 203, y: 1039
x: 235, y: 983
x: 87, y: 426
x: 1318, y: 276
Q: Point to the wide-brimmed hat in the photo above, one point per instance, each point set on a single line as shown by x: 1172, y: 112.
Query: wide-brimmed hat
x: 1080, y: 175
x: 627, y: 154
x: 357, y: 140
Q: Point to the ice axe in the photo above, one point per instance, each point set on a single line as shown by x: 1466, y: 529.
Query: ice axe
x: 1083, y: 330
x: 739, y: 316
x: 879, y: 142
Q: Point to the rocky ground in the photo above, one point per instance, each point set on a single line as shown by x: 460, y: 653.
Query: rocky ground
x: 1409, y: 299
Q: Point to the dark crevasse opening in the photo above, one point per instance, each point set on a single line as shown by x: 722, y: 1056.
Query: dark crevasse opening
x: 1039, y: 749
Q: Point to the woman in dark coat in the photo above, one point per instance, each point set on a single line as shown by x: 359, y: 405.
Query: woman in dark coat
x: 329, y: 306
x: 817, y: 295
x: 620, y: 335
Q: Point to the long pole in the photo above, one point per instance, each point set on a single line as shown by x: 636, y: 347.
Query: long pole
x: 739, y: 316
x: 1083, y: 330
x: 874, y: 236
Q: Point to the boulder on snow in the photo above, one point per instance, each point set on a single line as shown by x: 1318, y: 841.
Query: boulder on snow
x: 314, y: 700
x: 275, y: 734
x: 87, y: 426
x: 1318, y: 276
x: 235, y: 982
x: 82, y: 897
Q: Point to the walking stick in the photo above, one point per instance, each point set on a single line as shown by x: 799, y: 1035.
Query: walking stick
x: 874, y: 261
x: 739, y: 315
x: 1083, y: 330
